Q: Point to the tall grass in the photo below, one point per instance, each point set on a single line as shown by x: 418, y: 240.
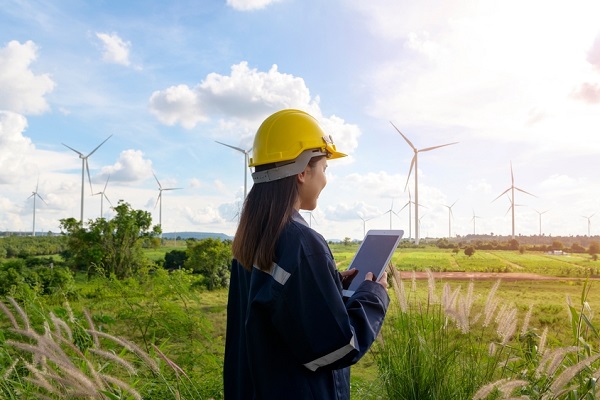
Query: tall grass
x: 57, y: 353
x: 447, y: 345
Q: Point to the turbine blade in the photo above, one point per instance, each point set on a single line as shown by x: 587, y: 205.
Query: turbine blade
x: 172, y: 188
x: 405, y: 138
x: 158, y: 198
x: 512, y: 177
x: 501, y: 194
x: 437, y: 147
x: 97, y: 147
x: 232, y: 147
x: 107, y: 199
x: 41, y: 198
x: 521, y: 190
x: 87, y: 167
x: 106, y: 184
x: 159, y: 186
x: 412, y: 163
x: 78, y: 152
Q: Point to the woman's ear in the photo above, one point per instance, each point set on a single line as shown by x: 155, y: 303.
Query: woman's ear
x: 302, y: 176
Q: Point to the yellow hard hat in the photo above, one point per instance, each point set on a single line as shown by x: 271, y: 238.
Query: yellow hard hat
x: 282, y: 138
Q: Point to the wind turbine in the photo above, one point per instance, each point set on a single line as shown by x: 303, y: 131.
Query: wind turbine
x: 246, y: 155
x: 391, y: 211
x: 84, y: 167
x: 414, y: 163
x: 420, y: 221
x: 473, y: 219
x: 159, y: 200
x: 310, y: 218
x: 589, y: 222
x: 102, y: 197
x: 34, y: 195
x: 450, y: 215
x: 540, y: 215
x: 364, y: 223
x: 512, y: 197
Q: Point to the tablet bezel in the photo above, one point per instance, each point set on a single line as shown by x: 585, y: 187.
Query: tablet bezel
x: 381, y: 268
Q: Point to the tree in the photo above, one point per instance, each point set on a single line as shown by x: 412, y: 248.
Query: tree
x: 175, y: 259
x: 113, y: 245
x: 594, y: 249
x: 211, y: 258
x: 469, y: 251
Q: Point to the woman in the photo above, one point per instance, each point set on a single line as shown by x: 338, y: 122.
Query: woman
x: 290, y: 333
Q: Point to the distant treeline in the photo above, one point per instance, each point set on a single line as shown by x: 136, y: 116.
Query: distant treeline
x: 567, y: 241
x: 29, y: 246
x: 591, y: 246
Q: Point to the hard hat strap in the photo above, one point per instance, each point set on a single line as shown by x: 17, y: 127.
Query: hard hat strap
x: 287, y: 168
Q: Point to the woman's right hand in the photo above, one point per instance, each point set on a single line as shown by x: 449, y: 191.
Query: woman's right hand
x: 382, y: 281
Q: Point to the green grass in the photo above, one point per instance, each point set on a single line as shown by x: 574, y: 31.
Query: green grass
x: 161, y: 312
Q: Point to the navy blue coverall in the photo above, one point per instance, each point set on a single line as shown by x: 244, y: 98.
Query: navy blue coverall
x: 290, y: 333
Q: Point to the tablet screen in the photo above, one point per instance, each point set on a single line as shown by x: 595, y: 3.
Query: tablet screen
x: 373, y: 256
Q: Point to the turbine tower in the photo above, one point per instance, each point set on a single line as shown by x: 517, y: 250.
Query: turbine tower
x: 540, y: 215
x: 246, y: 155
x: 414, y: 163
x: 409, y: 205
x: 159, y: 200
x: 84, y: 167
x: 364, y: 220
x: 589, y: 222
x: 103, y: 196
x: 512, y: 189
x: 450, y: 215
x: 473, y: 219
x: 34, y: 195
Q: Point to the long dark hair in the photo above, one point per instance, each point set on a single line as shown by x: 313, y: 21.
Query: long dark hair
x: 267, y: 209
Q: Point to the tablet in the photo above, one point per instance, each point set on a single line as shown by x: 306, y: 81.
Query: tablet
x: 373, y: 255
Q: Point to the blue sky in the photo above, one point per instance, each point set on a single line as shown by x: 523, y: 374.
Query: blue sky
x: 513, y: 82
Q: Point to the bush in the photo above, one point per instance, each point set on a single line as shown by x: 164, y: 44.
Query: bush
x: 43, y: 279
x: 469, y: 251
x: 212, y: 259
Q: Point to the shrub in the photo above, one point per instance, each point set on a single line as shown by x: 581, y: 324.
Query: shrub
x: 469, y: 251
x: 437, y: 350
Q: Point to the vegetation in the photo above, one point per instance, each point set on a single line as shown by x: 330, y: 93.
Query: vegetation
x: 444, y: 347
x: 110, y: 246
x: 212, y: 259
x: 157, y: 332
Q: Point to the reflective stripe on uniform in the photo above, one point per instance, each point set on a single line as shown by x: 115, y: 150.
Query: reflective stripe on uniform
x: 331, y: 357
x: 279, y: 274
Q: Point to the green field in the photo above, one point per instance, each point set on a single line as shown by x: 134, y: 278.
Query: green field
x: 190, y: 323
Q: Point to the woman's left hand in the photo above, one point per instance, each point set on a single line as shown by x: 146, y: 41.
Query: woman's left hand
x: 348, y: 276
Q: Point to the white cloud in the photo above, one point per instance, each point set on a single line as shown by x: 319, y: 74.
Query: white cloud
x: 204, y: 215
x: 116, y: 50
x: 21, y: 90
x: 130, y: 167
x: 250, y: 5
x: 483, y: 68
x: 244, y: 99
x: 14, y: 147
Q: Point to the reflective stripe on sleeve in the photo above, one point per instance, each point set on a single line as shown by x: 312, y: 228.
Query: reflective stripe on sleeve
x: 331, y: 357
x: 279, y: 274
